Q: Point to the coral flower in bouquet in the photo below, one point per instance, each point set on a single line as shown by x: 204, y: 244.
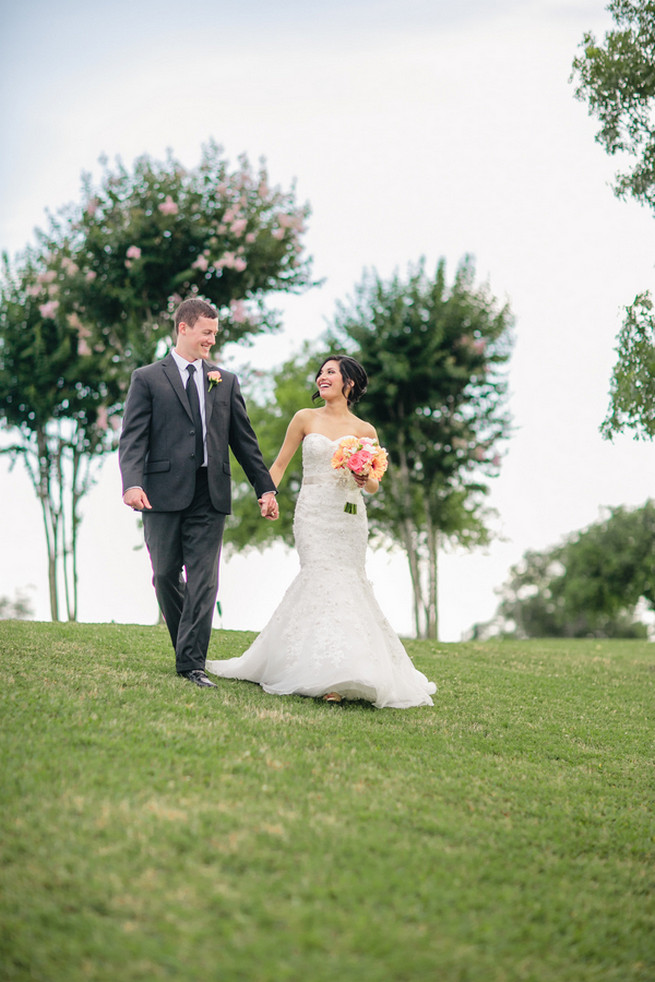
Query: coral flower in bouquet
x: 362, y: 456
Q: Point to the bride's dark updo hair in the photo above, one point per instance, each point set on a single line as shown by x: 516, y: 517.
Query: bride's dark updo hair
x: 351, y: 371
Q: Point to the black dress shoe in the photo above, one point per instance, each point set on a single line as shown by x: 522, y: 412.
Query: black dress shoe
x: 198, y: 677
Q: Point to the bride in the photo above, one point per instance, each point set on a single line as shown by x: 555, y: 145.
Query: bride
x: 328, y: 638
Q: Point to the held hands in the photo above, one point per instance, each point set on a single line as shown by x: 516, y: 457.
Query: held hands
x: 268, y: 506
x: 137, y: 499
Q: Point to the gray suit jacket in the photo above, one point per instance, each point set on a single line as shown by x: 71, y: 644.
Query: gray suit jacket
x: 157, y: 443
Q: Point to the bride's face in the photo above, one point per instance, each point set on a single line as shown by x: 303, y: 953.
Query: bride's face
x: 330, y: 381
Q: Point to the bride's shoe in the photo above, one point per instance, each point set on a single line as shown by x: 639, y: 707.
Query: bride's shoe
x: 332, y: 697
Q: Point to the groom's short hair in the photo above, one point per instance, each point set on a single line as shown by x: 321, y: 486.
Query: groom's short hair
x: 190, y: 310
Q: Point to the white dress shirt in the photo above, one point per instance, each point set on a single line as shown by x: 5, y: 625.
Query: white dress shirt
x: 198, y: 378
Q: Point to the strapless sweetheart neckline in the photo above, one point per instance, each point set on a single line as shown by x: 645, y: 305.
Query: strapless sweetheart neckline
x: 314, y: 433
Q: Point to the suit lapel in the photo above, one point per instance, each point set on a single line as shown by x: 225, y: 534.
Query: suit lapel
x: 172, y: 373
x: 209, y: 396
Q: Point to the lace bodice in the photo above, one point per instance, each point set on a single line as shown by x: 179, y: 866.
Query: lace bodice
x: 324, y: 532
x: 317, y: 451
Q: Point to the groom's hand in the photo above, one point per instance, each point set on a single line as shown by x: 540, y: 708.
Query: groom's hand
x: 268, y: 506
x: 137, y: 499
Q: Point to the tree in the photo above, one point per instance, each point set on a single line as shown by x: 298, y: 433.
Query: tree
x: 272, y: 401
x: 93, y: 300
x: 632, y: 386
x: 617, y: 80
x: 589, y: 586
x: 435, y: 358
x: 19, y: 609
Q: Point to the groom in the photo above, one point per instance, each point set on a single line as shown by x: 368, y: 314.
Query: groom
x: 180, y: 420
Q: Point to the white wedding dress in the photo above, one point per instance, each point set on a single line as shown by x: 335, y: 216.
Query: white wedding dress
x: 328, y: 633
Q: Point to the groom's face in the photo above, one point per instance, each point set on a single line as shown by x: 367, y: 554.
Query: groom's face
x: 197, y: 341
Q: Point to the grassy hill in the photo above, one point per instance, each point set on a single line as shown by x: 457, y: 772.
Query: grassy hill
x: 152, y: 830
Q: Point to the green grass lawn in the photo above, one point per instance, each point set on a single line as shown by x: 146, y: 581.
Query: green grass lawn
x: 153, y: 830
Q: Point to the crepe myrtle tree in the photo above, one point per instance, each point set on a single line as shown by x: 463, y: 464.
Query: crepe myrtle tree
x: 94, y: 298
x: 435, y: 355
x: 58, y: 414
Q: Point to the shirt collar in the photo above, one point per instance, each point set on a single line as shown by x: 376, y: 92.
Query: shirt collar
x: 183, y: 364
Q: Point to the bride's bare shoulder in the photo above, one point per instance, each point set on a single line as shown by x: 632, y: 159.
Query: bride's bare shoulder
x: 365, y: 429
x: 307, y: 419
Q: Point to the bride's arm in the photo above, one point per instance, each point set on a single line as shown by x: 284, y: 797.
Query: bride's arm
x: 294, y: 437
x: 366, y: 483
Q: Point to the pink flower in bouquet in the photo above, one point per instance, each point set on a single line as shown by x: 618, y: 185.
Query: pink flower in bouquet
x: 379, y: 464
x: 133, y: 252
x: 359, y: 462
x: 346, y: 446
x: 360, y: 455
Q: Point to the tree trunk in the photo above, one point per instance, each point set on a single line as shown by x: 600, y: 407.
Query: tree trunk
x: 431, y: 600
x: 402, y: 488
x: 40, y: 476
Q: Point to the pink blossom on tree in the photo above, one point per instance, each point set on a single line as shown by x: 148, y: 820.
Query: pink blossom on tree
x: 101, y: 420
x: 201, y: 263
x: 238, y: 311
x: 168, y: 206
x: 49, y: 309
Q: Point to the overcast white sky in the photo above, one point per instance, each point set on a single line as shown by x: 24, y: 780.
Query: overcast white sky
x: 413, y: 129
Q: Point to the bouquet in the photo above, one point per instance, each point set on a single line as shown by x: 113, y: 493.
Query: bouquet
x: 360, y: 455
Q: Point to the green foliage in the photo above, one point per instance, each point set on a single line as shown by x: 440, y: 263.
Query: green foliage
x: 617, y: 79
x: 152, y: 830
x: 587, y: 587
x: 632, y: 388
x: 18, y: 609
x: 93, y: 300
x: 435, y: 357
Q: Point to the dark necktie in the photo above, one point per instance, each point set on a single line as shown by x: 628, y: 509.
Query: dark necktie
x: 194, y: 402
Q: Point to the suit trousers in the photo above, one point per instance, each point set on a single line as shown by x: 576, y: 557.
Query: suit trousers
x: 187, y: 541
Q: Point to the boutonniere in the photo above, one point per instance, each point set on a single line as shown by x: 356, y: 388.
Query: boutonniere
x: 214, y: 378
